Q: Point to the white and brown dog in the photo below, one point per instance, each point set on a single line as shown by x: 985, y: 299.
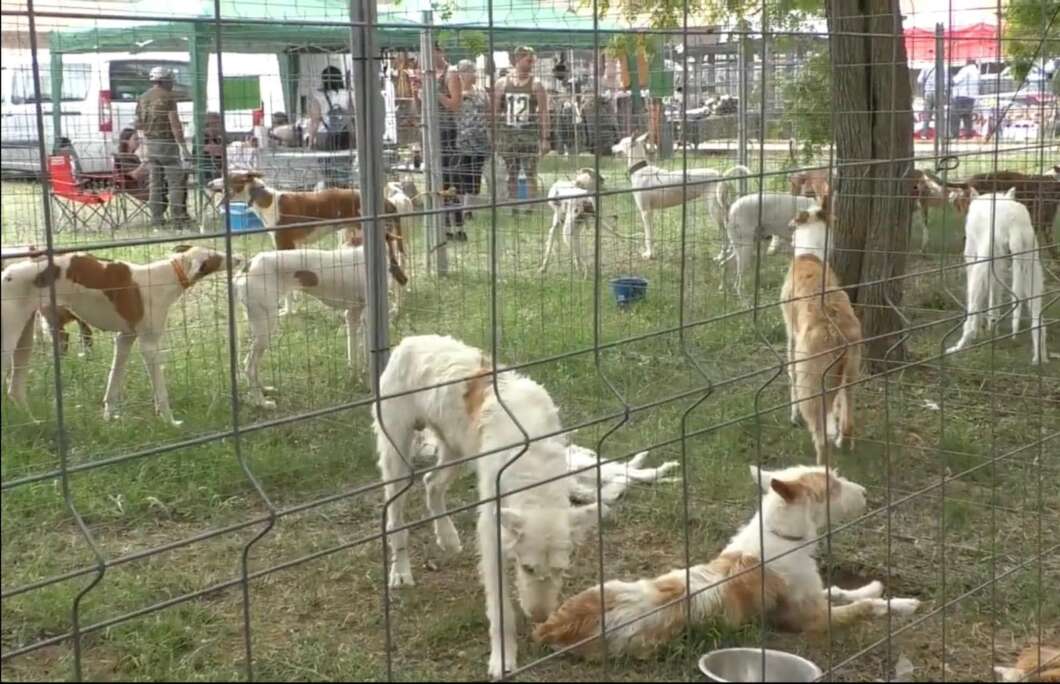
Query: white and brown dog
x: 336, y: 278
x: 130, y: 299
x: 655, y: 189
x: 824, y: 336
x: 298, y: 219
x: 572, y: 205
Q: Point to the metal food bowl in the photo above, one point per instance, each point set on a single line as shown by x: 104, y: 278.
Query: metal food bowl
x: 745, y: 665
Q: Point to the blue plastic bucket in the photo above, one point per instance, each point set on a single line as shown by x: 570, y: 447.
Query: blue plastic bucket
x: 242, y: 218
x: 628, y: 289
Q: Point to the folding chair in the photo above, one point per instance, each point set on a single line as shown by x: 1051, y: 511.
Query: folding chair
x: 75, y: 202
x: 133, y: 198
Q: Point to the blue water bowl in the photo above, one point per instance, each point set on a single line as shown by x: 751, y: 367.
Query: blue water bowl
x: 628, y: 289
x: 242, y: 218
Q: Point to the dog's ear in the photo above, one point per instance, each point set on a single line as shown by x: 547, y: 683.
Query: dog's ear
x: 179, y: 249
x: 972, y: 193
x: 1011, y: 194
x: 788, y: 491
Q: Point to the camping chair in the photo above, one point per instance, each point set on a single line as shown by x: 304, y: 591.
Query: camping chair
x: 75, y: 202
x: 133, y: 198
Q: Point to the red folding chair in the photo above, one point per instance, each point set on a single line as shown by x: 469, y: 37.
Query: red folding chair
x: 77, y: 204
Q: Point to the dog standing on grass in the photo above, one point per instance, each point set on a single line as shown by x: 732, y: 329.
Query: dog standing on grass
x: 443, y: 384
x: 824, y: 336
x: 997, y: 231
x: 130, y: 299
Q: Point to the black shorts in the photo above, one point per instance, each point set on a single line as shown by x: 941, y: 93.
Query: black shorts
x: 470, y: 174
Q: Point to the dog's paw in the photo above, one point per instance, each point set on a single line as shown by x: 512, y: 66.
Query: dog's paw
x: 448, y: 540
x: 110, y: 414
x: 955, y: 348
x: 795, y: 417
x: 647, y: 254
x: 873, y: 589
x: 401, y: 577
x: 904, y: 606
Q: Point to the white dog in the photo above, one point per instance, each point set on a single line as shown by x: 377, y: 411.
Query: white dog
x: 768, y: 570
x: 336, y: 278
x: 754, y: 217
x: 998, y: 230
x: 130, y: 299
x: 655, y: 189
x: 615, y: 476
x: 572, y: 204
x: 538, y: 527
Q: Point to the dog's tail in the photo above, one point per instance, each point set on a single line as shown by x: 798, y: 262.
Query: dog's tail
x: 626, y: 607
x: 725, y: 193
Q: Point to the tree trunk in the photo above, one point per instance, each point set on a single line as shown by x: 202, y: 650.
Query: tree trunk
x: 873, y: 129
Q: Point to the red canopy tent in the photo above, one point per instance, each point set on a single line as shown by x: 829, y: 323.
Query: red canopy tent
x: 975, y: 41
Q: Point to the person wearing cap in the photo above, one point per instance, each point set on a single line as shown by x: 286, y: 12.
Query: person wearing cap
x: 521, y: 104
x: 157, y: 120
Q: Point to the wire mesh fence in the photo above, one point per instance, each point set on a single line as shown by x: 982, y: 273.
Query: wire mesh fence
x: 660, y: 240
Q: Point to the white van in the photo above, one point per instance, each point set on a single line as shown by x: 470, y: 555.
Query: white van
x: 99, y: 94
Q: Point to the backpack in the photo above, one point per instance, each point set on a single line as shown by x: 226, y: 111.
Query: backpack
x: 336, y: 120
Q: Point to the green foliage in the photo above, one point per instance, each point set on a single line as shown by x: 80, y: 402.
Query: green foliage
x: 1032, y: 31
x: 786, y: 14
x: 807, y: 103
x: 468, y: 43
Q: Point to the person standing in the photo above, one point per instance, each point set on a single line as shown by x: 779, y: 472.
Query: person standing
x: 156, y: 118
x: 473, y: 139
x: 521, y: 103
x: 927, y: 83
x: 448, y: 89
x: 964, y: 91
x: 331, y: 124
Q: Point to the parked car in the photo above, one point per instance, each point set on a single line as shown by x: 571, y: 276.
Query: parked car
x: 98, y: 99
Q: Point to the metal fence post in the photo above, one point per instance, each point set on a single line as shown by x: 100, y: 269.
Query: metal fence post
x: 432, y: 153
x: 368, y: 123
x: 941, y: 82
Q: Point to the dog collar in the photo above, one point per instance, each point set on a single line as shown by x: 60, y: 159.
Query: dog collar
x: 182, y: 276
x: 637, y: 167
x: 787, y: 537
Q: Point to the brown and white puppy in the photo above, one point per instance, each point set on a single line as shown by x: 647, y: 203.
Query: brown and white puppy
x: 810, y: 183
x: 130, y: 299
x: 824, y: 336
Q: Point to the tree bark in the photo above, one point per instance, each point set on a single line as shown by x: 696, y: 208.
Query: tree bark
x: 873, y: 129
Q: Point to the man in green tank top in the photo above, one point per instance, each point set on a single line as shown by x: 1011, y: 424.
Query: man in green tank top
x: 520, y: 104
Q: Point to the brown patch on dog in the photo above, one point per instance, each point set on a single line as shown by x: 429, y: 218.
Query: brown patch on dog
x: 1028, y: 664
x: 114, y: 279
x: 817, y: 486
x: 743, y: 587
x: 308, y: 207
x: 48, y: 276
x: 576, y: 620
x: 475, y: 395
x: 211, y: 264
x: 306, y: 278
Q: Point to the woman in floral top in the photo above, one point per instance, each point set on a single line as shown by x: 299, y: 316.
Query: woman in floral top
x: 473, y: 137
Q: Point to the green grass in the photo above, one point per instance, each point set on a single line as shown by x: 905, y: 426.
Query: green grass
x: 323, y: 619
